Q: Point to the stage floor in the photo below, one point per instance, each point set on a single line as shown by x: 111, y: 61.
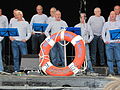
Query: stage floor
x: 38, y: 82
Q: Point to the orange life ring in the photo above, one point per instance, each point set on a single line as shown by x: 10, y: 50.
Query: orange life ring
x: 73, y: 68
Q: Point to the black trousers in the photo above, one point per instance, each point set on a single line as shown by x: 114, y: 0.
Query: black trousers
x: 37, y: 39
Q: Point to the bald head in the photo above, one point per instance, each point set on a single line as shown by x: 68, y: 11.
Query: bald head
x: 97, y: 11
x: 112, y: 16
x: 39, y: 9
x: 52, y: 11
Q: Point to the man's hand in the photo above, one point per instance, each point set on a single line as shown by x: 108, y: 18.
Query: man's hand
x: 33, y: 33
x: 118, y: 42
x: 11, y: 38
x: 86, y: 41
x: 24, y: 40
x: 107, y: 42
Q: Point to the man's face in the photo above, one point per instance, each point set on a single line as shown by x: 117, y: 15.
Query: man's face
x: 112, y: 15
x: 117, y: 10
x: 58, y: 16
x: 0, y: 12
x: 97, y: 12
x: 52, y: 12
x: 18, y: 15
x: 82, y: 18
x: 39, y: 9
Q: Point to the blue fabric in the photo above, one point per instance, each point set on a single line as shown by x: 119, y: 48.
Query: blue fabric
x: 113, y: 51
x: 114, y: 34
x: 9, y: 32
x: 89, y: 64
x: 39, y: 27
x: 1, y: 63
x: 16, y: 47
x: 76, y: 30
x: 57, y: 54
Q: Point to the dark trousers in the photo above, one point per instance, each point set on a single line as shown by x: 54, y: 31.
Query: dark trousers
x: 37, y: 39
x: 97, y: 44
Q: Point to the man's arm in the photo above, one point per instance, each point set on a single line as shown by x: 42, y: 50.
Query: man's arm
x: 91, y: 36
x: 48, y: 29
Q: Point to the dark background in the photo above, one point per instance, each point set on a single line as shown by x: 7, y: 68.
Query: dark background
x: 69, y: 8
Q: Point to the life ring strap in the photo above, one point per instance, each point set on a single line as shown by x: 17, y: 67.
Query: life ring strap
x: 50, y: 41
x: 75, y: 39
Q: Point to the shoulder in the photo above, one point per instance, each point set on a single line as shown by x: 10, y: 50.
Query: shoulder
x: 49, y: 17
x: 4, y: 16
x: 63, y: 21
x: 92, y: 17
x: 106, y: 24
x: 45, y: 16
x: 102, y: 17
x: 25, y: 22
x: 35, y: 15
x: 12, y: 19
x: 78, y: 25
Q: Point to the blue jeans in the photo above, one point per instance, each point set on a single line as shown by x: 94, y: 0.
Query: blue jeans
x: 17, y: 48
x: 113, y: 51
x: 97, y: 44
x: 57, y: 54
x: 1, y: 63
x: 89, y: 64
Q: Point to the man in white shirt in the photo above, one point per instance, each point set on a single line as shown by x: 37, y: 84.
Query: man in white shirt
x: 112, y: 45
x: 52, y: 17
x: 57, y: 52
x: 87, y: 36
x: 96, y: 22
x: 3, y: 24
x: 117, y: 12
x: 19, y: 42
x: 3, y: 20
x: 14, y: 19
x: 37, y: 37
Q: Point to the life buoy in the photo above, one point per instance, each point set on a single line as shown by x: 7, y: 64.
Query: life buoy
x: 73, y: 68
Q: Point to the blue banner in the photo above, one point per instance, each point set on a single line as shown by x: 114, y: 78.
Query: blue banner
x: 39, y: 27
x: 9, y: 32
x: 76, y: 30
x: 114, y: 34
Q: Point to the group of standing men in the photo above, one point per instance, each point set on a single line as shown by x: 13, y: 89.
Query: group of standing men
x: 26, y: 30
x: 101, y: 41
x: 95, y: 34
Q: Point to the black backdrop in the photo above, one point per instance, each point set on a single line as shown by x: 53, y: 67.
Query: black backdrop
x: 69, y: 8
